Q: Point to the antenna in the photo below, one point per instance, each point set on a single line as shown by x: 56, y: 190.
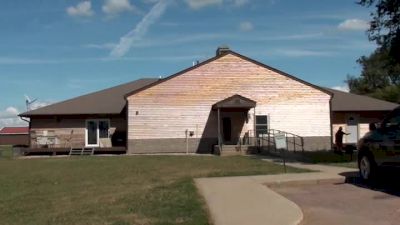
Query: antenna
x: 196, y: 62
x: 29, y: 102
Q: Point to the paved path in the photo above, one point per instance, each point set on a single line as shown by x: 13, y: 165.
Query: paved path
x: 248, y: 201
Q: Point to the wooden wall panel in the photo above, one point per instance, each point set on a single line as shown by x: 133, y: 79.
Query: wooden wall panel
x: 184, y: 102
x: 63, y: 127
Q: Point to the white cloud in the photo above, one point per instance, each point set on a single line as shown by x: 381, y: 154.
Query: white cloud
x: 82, y: 9
x: 150, y: 1
x: 140, y: 30
x: 115, y: 7
x: 246, y: 26
x: 239, y: 3
x: 353, y: 24
x: 302, y: 53
x: 9, y: 117
x: 39, y: 104
x: 198, y: 4
x: 344, y: 88
x: 107, y: 46
x: 9, y: 112
x: 12, y: 110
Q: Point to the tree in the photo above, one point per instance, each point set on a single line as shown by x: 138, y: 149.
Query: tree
x: 380, y: 75
x: 385, y: 25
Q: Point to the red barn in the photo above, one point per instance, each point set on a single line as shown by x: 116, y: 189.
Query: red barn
x: 14, y: 136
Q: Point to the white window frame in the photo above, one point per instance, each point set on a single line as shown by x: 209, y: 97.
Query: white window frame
x: 98, y: 131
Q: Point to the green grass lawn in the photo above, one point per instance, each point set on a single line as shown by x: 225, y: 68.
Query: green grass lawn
x: 5, y: 152
x: 331, y: 158
x: 327, y: 157
x: 116, y: 190
x: 320, y: 157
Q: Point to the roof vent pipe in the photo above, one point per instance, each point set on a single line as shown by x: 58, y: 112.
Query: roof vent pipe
x: 222, y: 50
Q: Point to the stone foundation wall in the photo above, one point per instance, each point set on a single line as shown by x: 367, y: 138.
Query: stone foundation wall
x: 205, y: 145
x: 171, y: 145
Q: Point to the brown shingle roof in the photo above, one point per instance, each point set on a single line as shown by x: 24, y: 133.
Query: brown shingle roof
x: 107, y: 101
x: 235, y: 101
x: 343, y: 101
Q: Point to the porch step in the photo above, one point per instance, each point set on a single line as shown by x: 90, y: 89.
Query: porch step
x: 81, y: 151
x: 229, y: 150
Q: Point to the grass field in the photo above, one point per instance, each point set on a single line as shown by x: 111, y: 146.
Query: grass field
x: 332, y: 158
x: 5, y: 152
x: 114, y: 190
x: 321, y: 157
x: 328, y: 157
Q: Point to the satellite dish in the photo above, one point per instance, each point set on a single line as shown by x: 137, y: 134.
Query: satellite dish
x: 29, y: 102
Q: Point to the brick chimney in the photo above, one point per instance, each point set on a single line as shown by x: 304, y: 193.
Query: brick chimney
x: 222, y: 50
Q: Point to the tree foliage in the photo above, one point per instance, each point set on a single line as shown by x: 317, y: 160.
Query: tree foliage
x: 380, y: 75
x: 385, y: 25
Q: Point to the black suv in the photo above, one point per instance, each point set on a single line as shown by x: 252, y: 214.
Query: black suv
x: 380, y: 147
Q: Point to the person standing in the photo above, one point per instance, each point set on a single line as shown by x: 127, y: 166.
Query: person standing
x: 339, y: 139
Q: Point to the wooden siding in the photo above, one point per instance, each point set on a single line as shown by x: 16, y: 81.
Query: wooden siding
x: 184, y: 102
x: 62, y: 128
x: 364, y: 119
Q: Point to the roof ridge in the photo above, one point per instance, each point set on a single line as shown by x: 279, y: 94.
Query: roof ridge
x: 365, y: 96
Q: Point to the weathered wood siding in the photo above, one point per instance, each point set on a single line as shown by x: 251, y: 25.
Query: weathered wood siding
x: 63, y: 126
x: 184, y: 102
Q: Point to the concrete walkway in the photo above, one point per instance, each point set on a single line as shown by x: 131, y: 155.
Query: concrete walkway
x: 247, y: 200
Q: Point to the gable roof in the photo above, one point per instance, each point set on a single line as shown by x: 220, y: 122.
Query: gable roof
x: 14, y: 130
x: 112, y: 100
x: 235, y: 101
x: 344, y: 101
x: 107, y: 101
x: 226, y: 52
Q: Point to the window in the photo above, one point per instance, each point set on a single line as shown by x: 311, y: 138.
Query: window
x: 261, y: 124
x: 103, y: 128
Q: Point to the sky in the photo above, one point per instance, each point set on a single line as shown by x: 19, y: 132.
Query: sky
x: 53, y: 50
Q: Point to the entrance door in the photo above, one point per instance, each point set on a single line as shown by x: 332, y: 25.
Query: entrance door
x: 227, y: 128
x: 352, y: 128
x: 96, y: 129
x: 91, y: 133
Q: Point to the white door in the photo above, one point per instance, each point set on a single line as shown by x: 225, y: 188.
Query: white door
x: 95, y: 130
x: 92, y: 136
x: 352, y: 128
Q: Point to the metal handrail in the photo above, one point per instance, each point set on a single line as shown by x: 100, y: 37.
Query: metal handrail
x: 290, y: 138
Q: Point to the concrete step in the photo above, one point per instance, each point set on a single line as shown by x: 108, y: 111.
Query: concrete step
x: 229, y: 150
x: 233, y: 150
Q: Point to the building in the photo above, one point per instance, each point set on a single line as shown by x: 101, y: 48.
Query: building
x: 355, y: 112
x: 222, y: 101
x: 14, y: 136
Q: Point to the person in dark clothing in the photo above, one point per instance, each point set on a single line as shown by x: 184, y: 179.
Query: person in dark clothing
x: 339, y: 139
